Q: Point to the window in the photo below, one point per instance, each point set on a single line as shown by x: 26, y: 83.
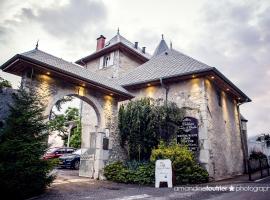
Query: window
x: 106, y: 61
x: 70, y: 150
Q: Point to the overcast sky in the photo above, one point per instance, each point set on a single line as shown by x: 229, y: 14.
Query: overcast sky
x: 233, y: 36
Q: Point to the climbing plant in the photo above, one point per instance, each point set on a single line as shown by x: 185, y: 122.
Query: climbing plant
x: 143, y: 122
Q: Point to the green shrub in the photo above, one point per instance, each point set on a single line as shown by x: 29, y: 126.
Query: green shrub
x: 184, y: 166
x: 142, y: 173
x: 23, y: 173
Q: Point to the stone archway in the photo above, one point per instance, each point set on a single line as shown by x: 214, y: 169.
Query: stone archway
x: 105, y: 106
x: 54, y: 78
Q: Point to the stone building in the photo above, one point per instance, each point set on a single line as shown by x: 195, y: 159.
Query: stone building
x: 119, y: 71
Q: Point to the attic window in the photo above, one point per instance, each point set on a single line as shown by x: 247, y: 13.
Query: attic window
x: 106, y: 60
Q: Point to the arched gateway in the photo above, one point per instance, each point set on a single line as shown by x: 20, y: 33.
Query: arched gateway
x: 55, y: 78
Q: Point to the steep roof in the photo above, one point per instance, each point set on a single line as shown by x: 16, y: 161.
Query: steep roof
x: 167, y: 64
x: 116, y: 40
x: 173, y: 64
x: 120, y: 39
x: 162, y: 47
x: 65, y: 67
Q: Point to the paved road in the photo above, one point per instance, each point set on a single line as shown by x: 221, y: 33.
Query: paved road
x: 69, y: 186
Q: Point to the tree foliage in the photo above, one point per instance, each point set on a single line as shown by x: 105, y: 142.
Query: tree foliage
x: 22, y: 144
x: 142, y: 123
x: 264, y: 138
x: 4, y: 83
x: 60, y: 124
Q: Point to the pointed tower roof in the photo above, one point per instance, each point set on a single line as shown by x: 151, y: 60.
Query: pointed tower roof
x: 162, y: 46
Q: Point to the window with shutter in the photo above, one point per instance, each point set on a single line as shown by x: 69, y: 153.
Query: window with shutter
x: 111, y: 59
x: 101, y: 62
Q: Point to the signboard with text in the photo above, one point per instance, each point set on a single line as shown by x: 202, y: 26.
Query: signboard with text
x: 163, y: 172
x: 189, y: 133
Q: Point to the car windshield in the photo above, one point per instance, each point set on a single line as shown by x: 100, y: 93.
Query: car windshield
x: 51, y: 150
x: 79, y: 151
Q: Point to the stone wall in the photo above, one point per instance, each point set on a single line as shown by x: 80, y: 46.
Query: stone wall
x: 226, y: 151
x: 219, y: 133
x: 122, y: 64
x: 105, y: 107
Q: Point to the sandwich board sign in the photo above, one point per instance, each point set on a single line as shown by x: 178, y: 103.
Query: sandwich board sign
x: 163, y: 172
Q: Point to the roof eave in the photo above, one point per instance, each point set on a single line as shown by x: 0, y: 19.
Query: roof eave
x: 224, y: 78
x: 166, y: 77
x: 6, y: 65
x: 106, y: 49
x: 197, y: 72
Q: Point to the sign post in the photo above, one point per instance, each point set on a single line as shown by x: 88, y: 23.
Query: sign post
x: 189, y: 133
x: 163, y: 172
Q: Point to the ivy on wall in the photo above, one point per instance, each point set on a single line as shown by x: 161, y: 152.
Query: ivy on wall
x: 143, y: 123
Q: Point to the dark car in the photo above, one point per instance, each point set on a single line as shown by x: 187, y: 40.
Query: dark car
x: 71, y: 160
x: 56, y: 152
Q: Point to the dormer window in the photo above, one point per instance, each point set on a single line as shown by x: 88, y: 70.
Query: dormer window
x: 106, y: 60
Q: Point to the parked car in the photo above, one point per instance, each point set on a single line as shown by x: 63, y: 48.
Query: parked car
x: 71, y: 160
x: 56, y: 152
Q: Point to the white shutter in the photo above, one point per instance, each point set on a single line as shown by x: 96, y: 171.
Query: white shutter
x: 111, y: 58
x: 101, y: 62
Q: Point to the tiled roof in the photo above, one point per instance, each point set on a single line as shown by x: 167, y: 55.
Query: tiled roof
x: 170, y: 63
x: 63, y: 66
x: 120, y: 39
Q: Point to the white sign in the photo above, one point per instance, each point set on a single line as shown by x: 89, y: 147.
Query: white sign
x: 163, y: 172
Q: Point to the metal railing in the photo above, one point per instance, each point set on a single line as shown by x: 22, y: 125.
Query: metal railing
x: 258, y: 165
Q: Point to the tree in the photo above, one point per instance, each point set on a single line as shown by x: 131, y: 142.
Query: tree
x: 22, y: 144
x: 60, y: 124
x: 143, y: 123
x: 76, y: 135
x: 4, y: 83
x: 264, y: 138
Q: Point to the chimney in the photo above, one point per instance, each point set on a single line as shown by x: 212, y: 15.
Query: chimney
x: 100, y: 42
x: 136, y: 45
x: 143, y: 49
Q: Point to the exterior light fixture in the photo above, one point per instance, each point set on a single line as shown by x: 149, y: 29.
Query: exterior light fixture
x: 83, y: 85
x: 239, y: 98
x: 111, y: 94
x: 48, y: 73
x: 193, y: 76
x: 148, y: 84
x: 212, y: 77
x: 228, y: 89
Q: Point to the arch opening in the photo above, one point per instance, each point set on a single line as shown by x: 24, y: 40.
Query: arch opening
x: 72, y: 119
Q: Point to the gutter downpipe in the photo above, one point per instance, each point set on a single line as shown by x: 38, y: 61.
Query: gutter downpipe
x: 166, y: 102
x: 166, y: 90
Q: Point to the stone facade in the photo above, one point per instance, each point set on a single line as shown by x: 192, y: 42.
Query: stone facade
x: 99, y: 113
x: 219, y: 131
x: 122, y: 64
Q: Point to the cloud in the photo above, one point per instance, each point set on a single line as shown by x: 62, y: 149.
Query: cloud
x: 69, y: 19
x: 236, y: 41
x: 233, y: 36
